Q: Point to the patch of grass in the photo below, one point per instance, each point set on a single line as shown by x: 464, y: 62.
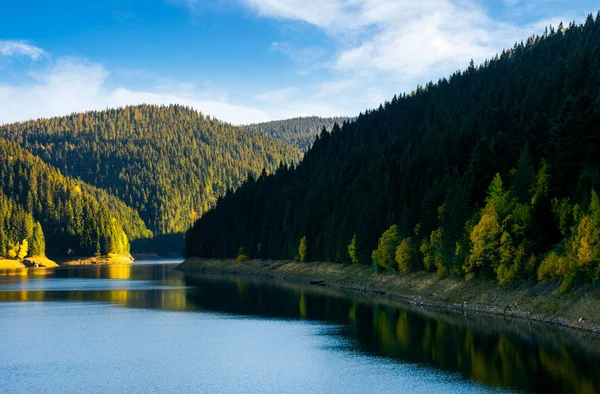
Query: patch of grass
x: 6, y: 263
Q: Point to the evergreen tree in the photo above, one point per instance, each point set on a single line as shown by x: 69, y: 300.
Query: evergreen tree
x: 169, y: 163
x: 75, y: 217
x: 497, y: 179
x: 300, y: 132
x: 38, y: 242
x: 17, y: 230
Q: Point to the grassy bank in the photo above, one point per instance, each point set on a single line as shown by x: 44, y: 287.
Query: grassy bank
x: 108, y: 259
x: 38, y: 261
x: 42, y: 261
x: 580, y: 308
x: 6, y: 263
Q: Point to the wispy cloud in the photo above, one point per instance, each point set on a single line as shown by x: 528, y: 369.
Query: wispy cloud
x: 73, y: 85
x: 375, y: 49
x: 67, y: 84
x: 390, y: 46
x: 302, y: 56
x: 20, y: 48
x: 276, y: 96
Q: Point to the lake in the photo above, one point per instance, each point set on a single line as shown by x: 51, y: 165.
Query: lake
x: 147, y: 328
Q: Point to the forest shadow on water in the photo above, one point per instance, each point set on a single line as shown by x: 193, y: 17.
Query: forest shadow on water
x: 507, y: 354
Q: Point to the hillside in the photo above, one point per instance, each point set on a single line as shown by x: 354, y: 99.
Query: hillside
x: 169, y: 163
x: 20, y: 235
x: 300, y: 132
x: 58, y: 214
x: 492, y: 172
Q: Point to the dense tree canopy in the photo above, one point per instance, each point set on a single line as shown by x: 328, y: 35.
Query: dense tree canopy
x: 20, y: 235
x: 74, y: 217
x: 491, y: 172
x: 170, y: 163
x: 300, y: 132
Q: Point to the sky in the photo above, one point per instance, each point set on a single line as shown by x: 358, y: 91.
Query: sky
x: 248, y: 61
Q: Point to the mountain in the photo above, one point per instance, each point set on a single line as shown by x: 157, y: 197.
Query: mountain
x: 20, y: 235
x: 75, y: 218
x: 300, y: 132
x: 491, y: 172
x: 169, y: 163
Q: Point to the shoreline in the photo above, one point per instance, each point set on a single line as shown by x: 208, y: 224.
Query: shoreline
x: 97, y: 260
x: 541, y: 302
x: 28, y: 262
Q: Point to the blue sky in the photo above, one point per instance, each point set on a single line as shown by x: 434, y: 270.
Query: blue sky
x: 249, y: 60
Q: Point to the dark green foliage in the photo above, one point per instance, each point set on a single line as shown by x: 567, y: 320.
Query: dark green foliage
x: 300, y: 132
x: 167, y: 245
x: 511, y: 136
x: 523, y: 175
x: 169, y: 163
x: 75, y: 217
x: 17, y: 230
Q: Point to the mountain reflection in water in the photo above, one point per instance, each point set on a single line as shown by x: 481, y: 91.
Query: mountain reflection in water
x: 500, y: 353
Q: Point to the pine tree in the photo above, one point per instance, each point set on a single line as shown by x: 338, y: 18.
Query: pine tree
x: 38, y: 242
x: 523, y: 175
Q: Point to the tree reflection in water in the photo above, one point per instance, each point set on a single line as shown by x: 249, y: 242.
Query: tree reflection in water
x: 502, y: 353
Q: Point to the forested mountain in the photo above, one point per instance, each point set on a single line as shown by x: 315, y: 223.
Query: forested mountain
x: 75, y: 218
x: 300, y: 132
x: 20, y: 235
x: 170, y: 163
x: 492, y: 172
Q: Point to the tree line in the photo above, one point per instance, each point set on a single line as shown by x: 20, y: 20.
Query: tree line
x: 492, y: 172
x: 300, y: 132
x: 20, y: 235
x: 168, y: 163
x: 46, y: 211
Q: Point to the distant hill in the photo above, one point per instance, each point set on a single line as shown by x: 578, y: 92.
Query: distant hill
x: 169, y: 163
x: 75, y: 218
x: 492, y: 172
x: 300, y: 132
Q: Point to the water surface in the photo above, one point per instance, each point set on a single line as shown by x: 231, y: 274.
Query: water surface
x: 148, y: 328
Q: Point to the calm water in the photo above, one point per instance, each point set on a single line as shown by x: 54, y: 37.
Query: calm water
x: 147, y: 328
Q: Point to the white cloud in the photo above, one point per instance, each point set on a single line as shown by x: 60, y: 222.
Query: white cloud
x: 75, y: 85
x: 20, y: 48
x: 319, y: 13
x: 377, y: 48
x: 303, y: 56
x: 72, y: 85
x: 388, y: 46
x: 276, y: 96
